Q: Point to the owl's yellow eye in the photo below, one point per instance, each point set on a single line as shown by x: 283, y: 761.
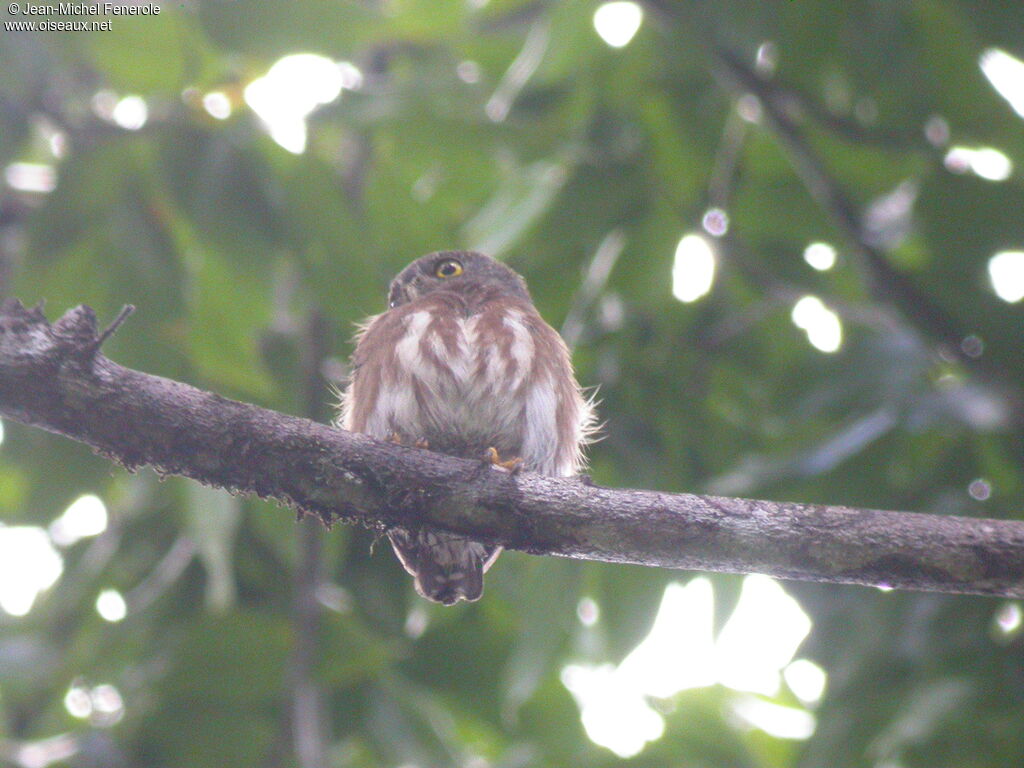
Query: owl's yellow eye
x: 448, y: 268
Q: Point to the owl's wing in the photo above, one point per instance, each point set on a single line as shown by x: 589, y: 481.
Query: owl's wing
x: 571, y: 426
x: 447, y: 567
x: 374, y: 353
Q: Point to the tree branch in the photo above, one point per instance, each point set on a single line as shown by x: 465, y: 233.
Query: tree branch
x: 885, y: 281
x: 52, y: 376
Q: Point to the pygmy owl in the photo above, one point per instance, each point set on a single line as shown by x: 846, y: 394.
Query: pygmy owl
x: 462, y: 363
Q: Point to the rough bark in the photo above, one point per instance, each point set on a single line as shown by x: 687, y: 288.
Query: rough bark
x: 53, y: 377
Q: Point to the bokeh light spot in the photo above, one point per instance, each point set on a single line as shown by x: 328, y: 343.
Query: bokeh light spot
x: 821, y: 256
x: 805, y: 679
x: 618, y: 22
x: 715, y: 222
x: 822, y: 325
x: 1006, y: 73
x: 693, y: 271
x: 85, y: 516
x: 131, y: 113
x: 217, y: 104
x: 31, y: 177
x: 775, y: 719
x: 28, y: 565
x: 980, y: 489
x: 111, y: 605
x: 1006, y: 271
x: 987, y: 162
x: 78, y: 702
x: 468, y: 71
x: 1009, y: 618
x: 292, y: 88
x: 587, y: 612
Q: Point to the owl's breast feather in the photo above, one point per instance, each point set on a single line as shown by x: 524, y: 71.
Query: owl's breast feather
x: 469, y: 379
x: 498, y: 376
x: 470, y: 357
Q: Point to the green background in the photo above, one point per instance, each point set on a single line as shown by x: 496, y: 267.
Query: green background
x: 249, y: 265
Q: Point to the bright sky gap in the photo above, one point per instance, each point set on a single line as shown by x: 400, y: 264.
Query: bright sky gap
x: 752, y: 655
x: 292, y: 88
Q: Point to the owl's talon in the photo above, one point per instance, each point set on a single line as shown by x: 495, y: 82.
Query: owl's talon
x: 513, y: 465
x: 397, y: 439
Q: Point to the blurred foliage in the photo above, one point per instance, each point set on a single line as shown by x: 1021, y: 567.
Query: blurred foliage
x: 510, y: 125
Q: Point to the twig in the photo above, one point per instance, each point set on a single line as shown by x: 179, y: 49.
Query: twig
x: 123, y: 315
x: 727, y: 158
x: 594, y: 281
x: 170, y: 568
x: 138, y: 419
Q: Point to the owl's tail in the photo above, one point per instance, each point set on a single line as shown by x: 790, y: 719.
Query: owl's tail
x: 447, y: 567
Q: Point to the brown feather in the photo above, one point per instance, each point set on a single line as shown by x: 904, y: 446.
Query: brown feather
x: 466, y: 364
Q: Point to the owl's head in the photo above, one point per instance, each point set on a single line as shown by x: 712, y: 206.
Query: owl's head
x: 460, y: 271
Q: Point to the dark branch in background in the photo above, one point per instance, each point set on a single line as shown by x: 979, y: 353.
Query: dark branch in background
x: 309, y: 724
x: 295, y: 346
x: 780, y: 109
x: 886, y: 282
x: 784, y: 111
x: 52, y: 377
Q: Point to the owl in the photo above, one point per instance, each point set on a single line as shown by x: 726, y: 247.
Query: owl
x: 462, y: 363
